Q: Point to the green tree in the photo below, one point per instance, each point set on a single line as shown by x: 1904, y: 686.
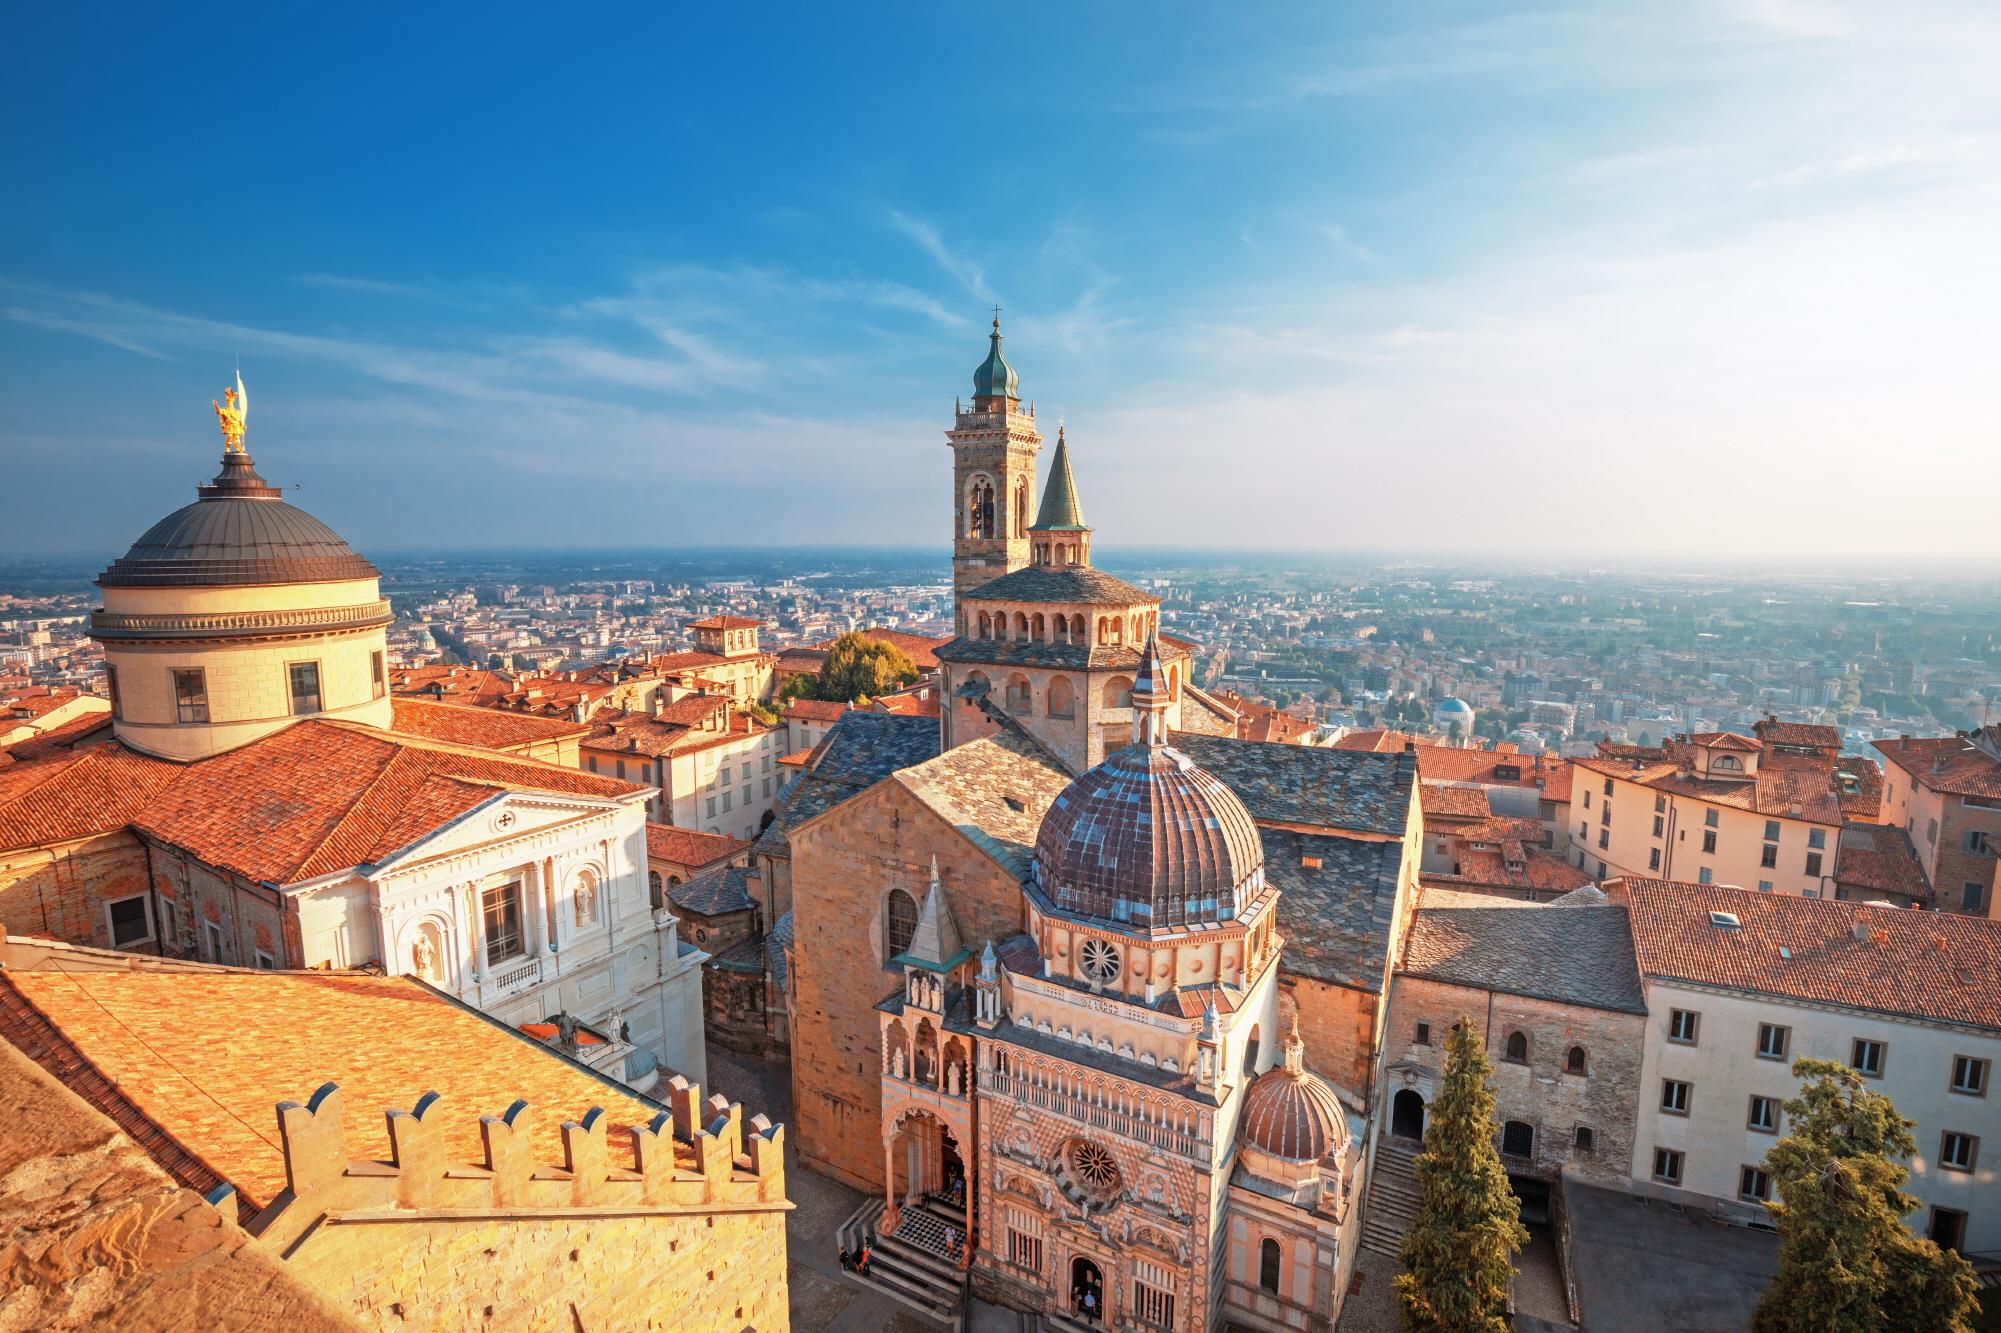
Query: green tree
x: 797, y: 687
x: 1458, y: 1257
x: 858, y: 665
x: 1847, y: 1262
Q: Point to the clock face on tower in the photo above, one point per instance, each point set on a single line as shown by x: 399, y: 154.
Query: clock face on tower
x: 1100, y: 961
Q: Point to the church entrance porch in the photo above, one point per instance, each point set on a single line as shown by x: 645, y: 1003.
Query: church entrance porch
x: 926, y: 1189
x: 1087, y: 1291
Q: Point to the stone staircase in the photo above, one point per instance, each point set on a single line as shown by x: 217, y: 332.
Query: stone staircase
x: 912, y: 1267
x: 1393, y: 1197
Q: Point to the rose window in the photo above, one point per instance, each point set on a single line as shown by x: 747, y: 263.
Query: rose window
x: 1091, y: 1170
x: 1101, y: 961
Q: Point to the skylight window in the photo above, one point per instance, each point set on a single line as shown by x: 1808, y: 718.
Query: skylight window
x: 1724, y: 920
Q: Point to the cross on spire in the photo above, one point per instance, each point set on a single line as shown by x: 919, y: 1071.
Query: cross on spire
x: 997, y: 314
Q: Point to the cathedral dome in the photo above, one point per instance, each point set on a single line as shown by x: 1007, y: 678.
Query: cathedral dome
x: 240, y: 532
x: 995, y: 378
x: 1292, y: 1113
x: 1151, y: 841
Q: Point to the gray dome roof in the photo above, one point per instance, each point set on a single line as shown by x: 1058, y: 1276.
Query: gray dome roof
x: 240, y: 532
x: 1150, y: 841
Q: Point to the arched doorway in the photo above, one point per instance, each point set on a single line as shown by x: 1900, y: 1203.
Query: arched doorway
x: 1407, y: 1114
x: 1087, y: 1290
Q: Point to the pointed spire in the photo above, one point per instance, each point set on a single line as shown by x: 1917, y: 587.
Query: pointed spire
x: 1060, y: 511
x: 936, y: 939
x: 1149, y: 693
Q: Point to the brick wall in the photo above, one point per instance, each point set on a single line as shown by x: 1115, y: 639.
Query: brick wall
x: 61, y: 891
x: 843, y: 868
x: 1337, y: 1026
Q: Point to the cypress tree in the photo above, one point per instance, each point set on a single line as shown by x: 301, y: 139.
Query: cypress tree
x: 1847, y: 1262
x: 1458, y: 1257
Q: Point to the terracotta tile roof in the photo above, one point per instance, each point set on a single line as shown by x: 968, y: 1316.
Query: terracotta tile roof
x: 1936, y: 965
x: 1798, y: 735
x: 459, y: 684
x: 1495, y: 768
x: 1262, y: 722
x: 316, y: 797
x: 31, y: 704
x: 813, y: 710
x: 1879, y: 859
x: 1725, y: 740
x: 726, y: 622
x: 206, y: 1055
x: 483, y: 728
x: 687, y: 660
x: 1380, y: 742
x: 921, y: 649
x: 90, y: 729
x: 908, y: 705
x: 691, y: 847
x: 1796, y: 786
x: 1453, y: 803
x: 798, y: 758
x: 1946, y: 764
x: 1510, y: 863
x: 623, y: 733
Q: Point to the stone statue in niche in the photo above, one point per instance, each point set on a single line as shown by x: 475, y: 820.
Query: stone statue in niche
x: 424, y: 956
x: 952, y: 1079
x: 587, y: 898
x: 897, y: 1063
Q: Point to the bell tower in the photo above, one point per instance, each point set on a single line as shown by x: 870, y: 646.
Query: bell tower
x: 994, y: 444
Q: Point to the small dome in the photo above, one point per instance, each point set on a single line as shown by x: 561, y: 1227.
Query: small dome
x: 1291, y: 1112
x: 995, y: 378
x: 1454, y: 705
x: 240, y: 532
x: 1149, y: 840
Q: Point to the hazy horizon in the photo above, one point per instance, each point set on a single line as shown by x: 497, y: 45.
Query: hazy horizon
x: 1711, y: 285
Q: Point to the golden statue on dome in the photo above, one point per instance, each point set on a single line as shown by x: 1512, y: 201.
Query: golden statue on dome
x: 230, y: 414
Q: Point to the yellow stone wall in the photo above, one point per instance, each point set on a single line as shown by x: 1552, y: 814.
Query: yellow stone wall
x: 246, y: 678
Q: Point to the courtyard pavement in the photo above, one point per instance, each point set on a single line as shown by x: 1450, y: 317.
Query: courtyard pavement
x: 1646, y: 1266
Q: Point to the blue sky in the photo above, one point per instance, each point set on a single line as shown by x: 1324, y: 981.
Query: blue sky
x: 1589, y: 283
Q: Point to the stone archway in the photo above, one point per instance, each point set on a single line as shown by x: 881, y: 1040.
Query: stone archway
x: 1087, y: 1290
x: 1407, y: 1114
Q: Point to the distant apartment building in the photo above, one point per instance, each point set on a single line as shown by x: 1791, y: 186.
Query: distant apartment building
x: 1757, y: 812
x: 711, y: 767
x: 1739, y: 985
x: 1944, y: 792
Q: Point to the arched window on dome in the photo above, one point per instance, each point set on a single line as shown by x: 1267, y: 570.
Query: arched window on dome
x: 1118, y: 692
x: 1019, y: 697
x: 1061, y: 701
x: 899, y: 923
x: 1268, y: 1264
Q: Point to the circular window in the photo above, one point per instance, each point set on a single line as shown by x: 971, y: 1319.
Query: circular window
x: 1092, y: 1169
x: 1101, y: 961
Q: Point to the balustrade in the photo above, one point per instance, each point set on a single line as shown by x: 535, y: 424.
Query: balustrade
x: 1095, y: 1114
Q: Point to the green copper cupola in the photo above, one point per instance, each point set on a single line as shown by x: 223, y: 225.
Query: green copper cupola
x: 995, y: 378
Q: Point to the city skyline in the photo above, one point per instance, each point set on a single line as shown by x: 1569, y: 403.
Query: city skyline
x: 1355, y: 259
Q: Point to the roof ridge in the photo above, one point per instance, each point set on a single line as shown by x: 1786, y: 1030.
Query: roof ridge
x: 353, y: 807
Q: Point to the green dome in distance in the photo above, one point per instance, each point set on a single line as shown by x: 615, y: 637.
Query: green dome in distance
x: 995, y: 378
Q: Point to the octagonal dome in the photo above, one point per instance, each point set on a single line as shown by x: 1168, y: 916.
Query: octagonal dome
x: 1150, y: 841
x: 1291, y: 1112
x: 239, y: 532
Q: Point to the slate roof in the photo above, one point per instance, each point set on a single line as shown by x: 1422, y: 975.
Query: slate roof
x: 715, y: 892
x: 1335, y: 917
x: 1580, y: 955
x: 858, y: 751
x: 1297, y: 784
x: 995, y: 790
x: 775, y: 942
x: 1936, y: 965
x: 1068, y: 656
x: 1070, y: 584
